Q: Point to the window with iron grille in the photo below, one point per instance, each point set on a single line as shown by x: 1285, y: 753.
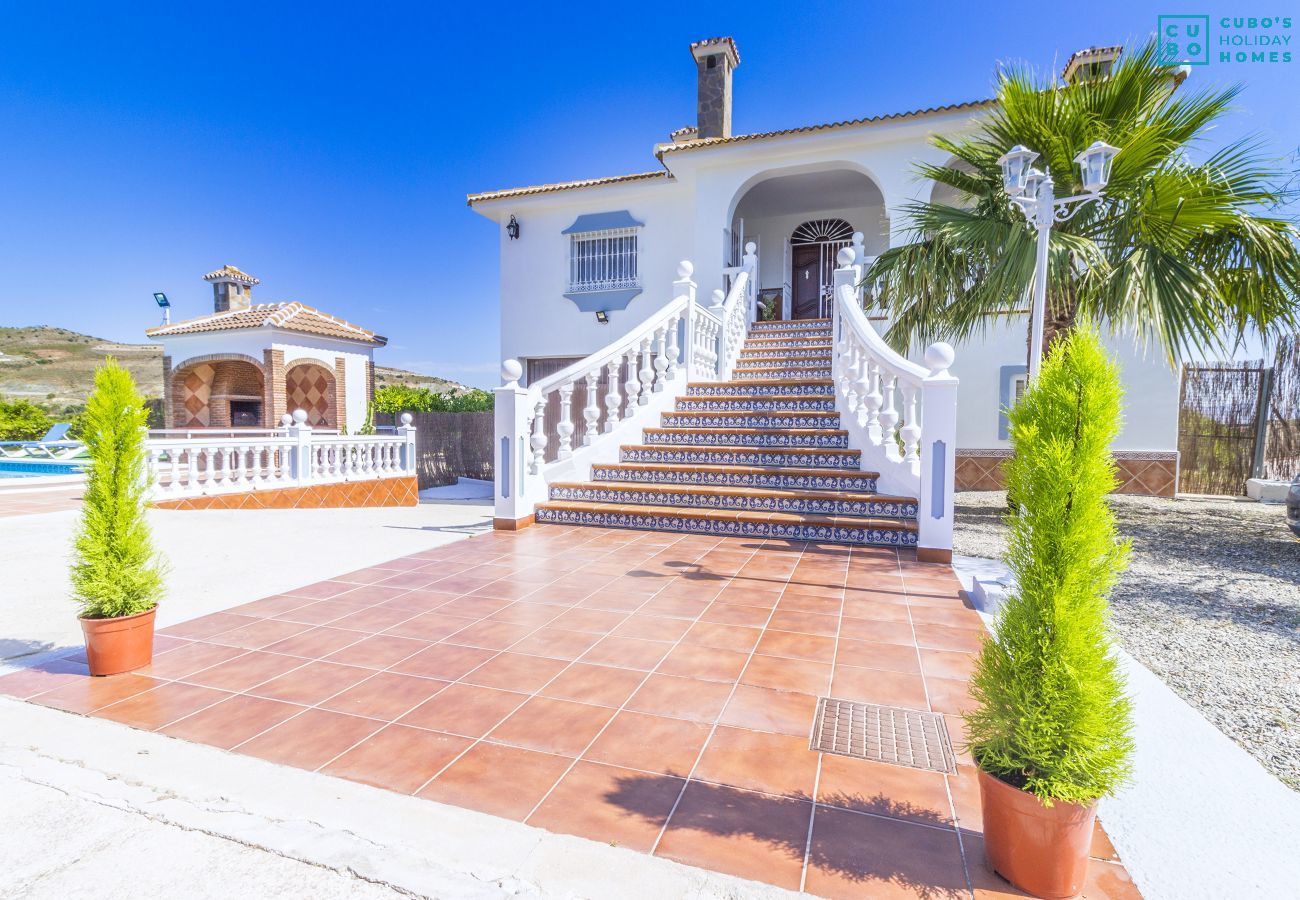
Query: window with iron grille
x: 603, y: 261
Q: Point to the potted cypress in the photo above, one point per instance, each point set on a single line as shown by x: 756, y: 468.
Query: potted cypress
x: 117, y: 578
x: 1051, y: 731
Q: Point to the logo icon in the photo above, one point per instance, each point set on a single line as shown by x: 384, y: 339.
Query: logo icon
x: 1184, y: 40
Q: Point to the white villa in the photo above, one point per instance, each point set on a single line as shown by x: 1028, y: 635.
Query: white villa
x: 587, y: 265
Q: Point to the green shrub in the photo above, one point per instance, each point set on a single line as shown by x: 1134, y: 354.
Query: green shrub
x: 116, y: 570
x: 1052, y: 717
x: 23, y: 421
x: 395, y: 399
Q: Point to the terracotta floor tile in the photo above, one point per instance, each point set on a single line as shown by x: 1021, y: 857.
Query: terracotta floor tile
x: 473, y: 607
x: 951, y: 614
x: 191, y: 658
x: 243, y: 672
x: 232, y: 721
x: 800, y: 676
x: 705, y: 663
x: 378, y: 652
x: 592, y: 621
x: 206, y: 626
x: 162, y: 705
x: 947, y: 664
x: 418, y: 601
x: 1102, y: 848
x: 608, y: 804
x: 311, y: 683
x: 965, y: 791
x: 652, y: 628
x: 900, y: 792
x: 876, y: 631
x: 386, y: 695
x: 369, y: 595
x: 627, y: 653
x: 853, y: 855
x: 555, y: 643
x: 946, y: 637
x: 87, y: 694
x: 874, y: 655
x: 321, y: 590
x: 309, y: 740
x: 47, y: 676
x: 679, y: 607
x: 597, y: 685
x: 650, y: 743
x: 804, y: 623
x: 879, y: 686
x: 408, y: 580
x: 319, y: 613
x: 516, y: 672
x: 792, y: 645
x: 498, y: 780
x: 269, y: 606
x: 763, y: 709
x: 681, y: 698
x: 373, y: 619
x: 723, y: 637
x: 612, y: 601
x: 876, y: 610
x: 732, y: 614
x: 430, y: 626
x: 526, y: 613
x: 740, y: 833
x: 552, y: 726
x: 757, y: 761
x: 949, y: 695
x: 1105, y: 881
x: 444, y: 661
x: 259, y: 634
x: 317, y: 642
x: 793, y: 601
x: 398, y: 758
x: 465, y: 709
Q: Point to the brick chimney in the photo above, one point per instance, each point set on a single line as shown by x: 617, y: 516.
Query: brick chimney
x: 231, y: 288
x: 714, y: 60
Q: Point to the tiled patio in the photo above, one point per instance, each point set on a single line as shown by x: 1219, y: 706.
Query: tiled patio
x: 16, y: 501
x: 650, y: 690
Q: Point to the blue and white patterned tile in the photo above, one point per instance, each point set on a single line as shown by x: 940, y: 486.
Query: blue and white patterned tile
x: 814, y: 403
x: 705, y: 437
x: 783, y: 341
x: 750, y: 420
x: 760, y: 389
x: 754, y: 478
x: 740, y: 502
x: 744, y: 374
x: 737, y: 456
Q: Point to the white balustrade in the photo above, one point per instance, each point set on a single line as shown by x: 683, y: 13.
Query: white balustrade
x: 736, y: 310
x: 902, y: 415
x: 295, y: 455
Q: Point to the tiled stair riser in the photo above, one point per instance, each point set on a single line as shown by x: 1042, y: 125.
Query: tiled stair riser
x: 766, y: 359
x: 775, y: 404
x: 705, y: 437
x: 795, y: 325
x: 862, y: 536
x: 750, y: 420
x: 753, y: 478
x: 721, y: 499
x: 784, y: 341
x: 743, y: 374
x: 760, y: 389
x: 737, y: 456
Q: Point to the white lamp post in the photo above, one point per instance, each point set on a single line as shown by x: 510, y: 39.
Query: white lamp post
x: 1034, y: 194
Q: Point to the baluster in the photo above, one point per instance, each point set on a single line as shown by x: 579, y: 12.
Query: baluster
x: 591, y: 412
x: 661, y: 357
x: 869, y: 415
x: 852, y: 372
x: 911, y: 430
x: 633, y: 384
x: 673, y: 350
x: 538, y: 441
x: 174, y: 485
x: 612, y: 398
x: 647, y: 370
x: 565, y: 426
x: 889, y: 414
x: 192, y: 459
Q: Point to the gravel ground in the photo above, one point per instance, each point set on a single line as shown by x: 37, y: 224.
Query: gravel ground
x: 1210, y: 603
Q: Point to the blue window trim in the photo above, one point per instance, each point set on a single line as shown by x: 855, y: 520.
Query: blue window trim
x: 602, y: 221
x: 1006, y: 377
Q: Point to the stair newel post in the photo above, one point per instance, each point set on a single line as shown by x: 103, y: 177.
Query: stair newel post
x: 511, y: 459
x: 685, y: 287
x: 539, y: 440
x: 717, y: 308
x: 591, y: 412
x: 564, y: 427
x: 647, y: 370
x: 911, y: 430
x: 749, y: 261
x: 939, y: 431
x: 633, y: 384
x: 612, y: 398
x: 661, y: 353
x: 889, y: 415
x: 859, y: 259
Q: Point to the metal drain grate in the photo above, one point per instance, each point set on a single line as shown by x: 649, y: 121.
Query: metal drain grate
x: 888, y: 734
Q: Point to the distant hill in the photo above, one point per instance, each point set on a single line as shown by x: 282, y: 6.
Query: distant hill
x: 55, y: 367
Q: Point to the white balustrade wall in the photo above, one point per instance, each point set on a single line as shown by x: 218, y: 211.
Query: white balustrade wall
x: 901, y: 415
x: 293, y: 456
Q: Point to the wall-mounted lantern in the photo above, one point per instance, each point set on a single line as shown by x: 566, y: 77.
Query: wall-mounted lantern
x: 512, y: 228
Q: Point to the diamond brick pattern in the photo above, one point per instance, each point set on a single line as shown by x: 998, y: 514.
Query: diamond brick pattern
x: 310, y: 387
x: 1148, y: 473
x: 760, y: 457
x: 344, y: 495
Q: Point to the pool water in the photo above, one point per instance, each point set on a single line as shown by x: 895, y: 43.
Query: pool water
x: 12, y: 469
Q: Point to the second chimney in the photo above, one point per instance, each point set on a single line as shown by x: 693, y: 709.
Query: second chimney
x: 714, y: 60
x: 231, y: 288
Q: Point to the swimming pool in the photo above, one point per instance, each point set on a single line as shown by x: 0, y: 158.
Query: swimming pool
x: 14, y: 469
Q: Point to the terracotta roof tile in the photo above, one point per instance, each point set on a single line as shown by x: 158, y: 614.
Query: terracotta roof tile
x: 229, y: 271
x: 287, y: 316
x: 471, y: 199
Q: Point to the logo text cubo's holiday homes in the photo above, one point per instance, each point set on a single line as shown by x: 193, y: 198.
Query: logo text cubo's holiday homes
x: 1198, y: 40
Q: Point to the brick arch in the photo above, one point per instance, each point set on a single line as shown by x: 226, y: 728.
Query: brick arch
x: 312, y: 386
x: 203, y: 387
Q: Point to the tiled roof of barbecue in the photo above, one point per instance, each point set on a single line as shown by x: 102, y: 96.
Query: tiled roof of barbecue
x: 288, y: 316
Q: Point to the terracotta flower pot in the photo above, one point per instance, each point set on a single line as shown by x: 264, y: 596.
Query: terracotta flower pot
x: 1041, y: 850
x: 119, y: 644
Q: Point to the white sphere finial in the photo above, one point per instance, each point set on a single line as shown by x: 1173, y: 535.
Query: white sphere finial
x: 858, y: 237
x: 286, y: 420
x: 719, y: 297
x: 845, y: 257
x: 299, y: 417
x: 938, y: 357
x: 407, y: 419
x: 751, y: 248
x: 511, y: 371
x: 685, y: 269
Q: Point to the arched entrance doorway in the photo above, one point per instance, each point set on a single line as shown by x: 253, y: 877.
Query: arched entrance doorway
x: 309, y: 386
x: 813, y: 246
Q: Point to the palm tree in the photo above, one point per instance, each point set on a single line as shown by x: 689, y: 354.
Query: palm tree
x: 1183, y: 255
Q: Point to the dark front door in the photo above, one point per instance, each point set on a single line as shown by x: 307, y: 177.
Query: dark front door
x: 806, y: 275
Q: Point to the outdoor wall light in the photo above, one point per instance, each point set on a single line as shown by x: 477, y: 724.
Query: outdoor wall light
x: 512, y: 228
x: 1094, y: 166
x: 602, y: 317
x: 1015, y: 168
x: 161, y: 299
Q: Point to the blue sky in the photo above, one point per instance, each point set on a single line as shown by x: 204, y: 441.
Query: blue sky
x: 329, y: 150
